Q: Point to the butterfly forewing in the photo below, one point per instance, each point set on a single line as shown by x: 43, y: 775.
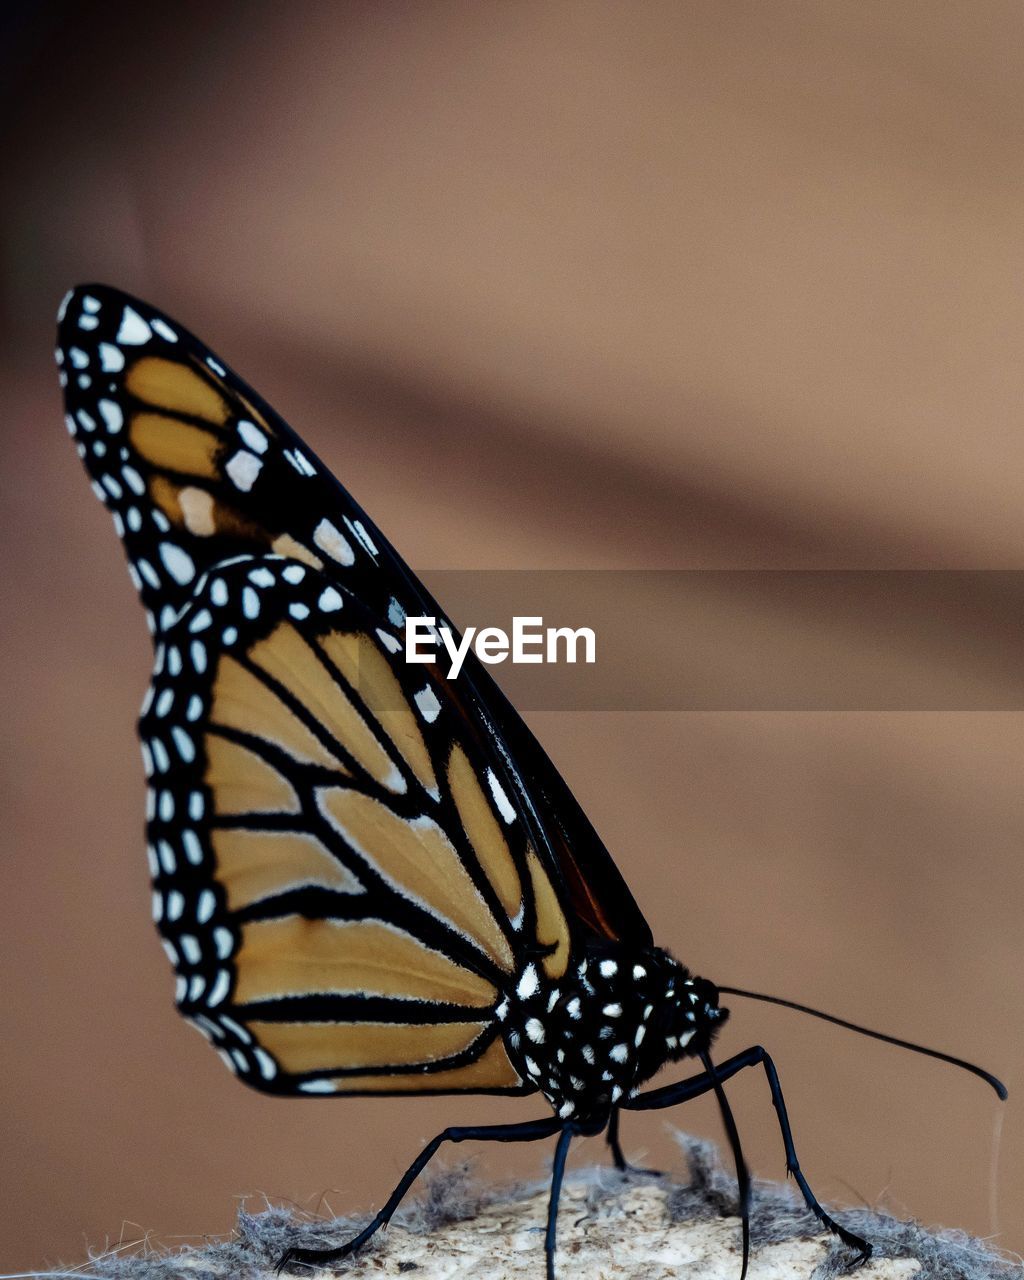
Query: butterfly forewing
x: 352, y: 857
x: 193, y: 467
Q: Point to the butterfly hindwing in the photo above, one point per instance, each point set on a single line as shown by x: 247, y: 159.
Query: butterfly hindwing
x: 345, y: 894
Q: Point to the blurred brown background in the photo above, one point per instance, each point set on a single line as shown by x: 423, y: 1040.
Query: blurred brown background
x: 571, y: 285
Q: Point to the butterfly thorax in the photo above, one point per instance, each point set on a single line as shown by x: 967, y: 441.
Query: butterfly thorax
x: 590, y: 1039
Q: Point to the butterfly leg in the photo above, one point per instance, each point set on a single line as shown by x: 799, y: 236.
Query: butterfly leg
x: 569, y: 1131
x: 621, y: 1163
x: 742, y: 1172
x: 672, y: 1094
x: 557, y: 1173
x: 529, y: 1131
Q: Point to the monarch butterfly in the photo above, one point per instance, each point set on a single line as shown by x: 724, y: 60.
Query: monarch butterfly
x: 370, y: 879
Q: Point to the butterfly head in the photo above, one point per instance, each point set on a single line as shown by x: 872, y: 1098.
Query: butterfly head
x: 691, y: 1015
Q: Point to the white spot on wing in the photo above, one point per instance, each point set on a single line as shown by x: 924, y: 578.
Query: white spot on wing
x: 166, y: 856
x: 111, y: 413
x: 177, y: 562
x: 148, y: 573
x: 426, y: 701
x: 236, y: 1028
x: 315, y: 1086
x: 134, y: 330
x: 253, y: 436
x: 266, y: 1064
x: 219, y: 989
x: 190, y: 843
x: 300, y: 462
x: 528, y: 983
x: 330, y: 540
x: 190, y: 948
x: 111, y: 358
x: 359, y: 530
x: 500, y: 798
x: 243, y: 468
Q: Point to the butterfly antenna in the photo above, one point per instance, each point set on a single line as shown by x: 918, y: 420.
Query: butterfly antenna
x: 987, y: 1076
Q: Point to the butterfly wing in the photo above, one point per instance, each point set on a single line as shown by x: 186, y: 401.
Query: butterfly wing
x: 352, y: 857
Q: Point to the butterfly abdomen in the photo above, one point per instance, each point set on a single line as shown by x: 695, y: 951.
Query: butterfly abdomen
x: 589, y: 1040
